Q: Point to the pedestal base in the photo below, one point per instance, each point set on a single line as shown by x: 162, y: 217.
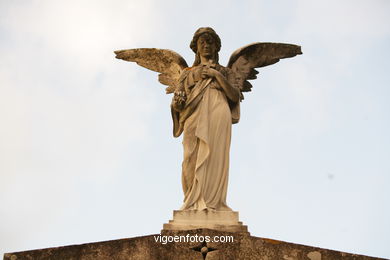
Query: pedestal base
x: 211, y: 219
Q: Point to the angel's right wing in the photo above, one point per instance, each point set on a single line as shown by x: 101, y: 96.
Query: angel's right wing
x: 244, y: 60
x: 168, y: 63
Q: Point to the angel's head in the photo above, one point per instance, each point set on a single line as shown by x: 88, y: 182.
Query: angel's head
x: 205, y: 43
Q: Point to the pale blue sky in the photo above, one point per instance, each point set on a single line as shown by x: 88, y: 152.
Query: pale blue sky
x: 86, y: 146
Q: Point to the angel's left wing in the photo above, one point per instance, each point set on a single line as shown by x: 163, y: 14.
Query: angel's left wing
x: 244, y: 60
x: 167, y: 62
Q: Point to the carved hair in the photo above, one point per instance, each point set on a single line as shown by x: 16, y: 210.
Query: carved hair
x: 194, y: 43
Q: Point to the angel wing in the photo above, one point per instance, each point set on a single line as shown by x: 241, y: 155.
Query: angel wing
x: 168, y: 63
x: 244, y: 60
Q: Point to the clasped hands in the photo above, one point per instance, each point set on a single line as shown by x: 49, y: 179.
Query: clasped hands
x: 208, y: 72
x: 204, y: 72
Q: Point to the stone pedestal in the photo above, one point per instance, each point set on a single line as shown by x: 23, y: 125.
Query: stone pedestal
x: 241, y: 247
x: 211, y: 219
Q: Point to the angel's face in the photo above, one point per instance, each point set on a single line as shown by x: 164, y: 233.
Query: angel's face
x: 206, y: 46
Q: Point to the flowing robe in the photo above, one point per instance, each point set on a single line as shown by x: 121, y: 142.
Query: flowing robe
x: 206, y: 123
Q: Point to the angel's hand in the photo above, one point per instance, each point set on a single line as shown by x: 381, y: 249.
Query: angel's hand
x: 180, y: 93
x: 208, y: 72
x: 180, y: 96
x: 179, y: 99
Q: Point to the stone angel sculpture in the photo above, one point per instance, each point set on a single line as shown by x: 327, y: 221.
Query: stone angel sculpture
x: 205, y: 104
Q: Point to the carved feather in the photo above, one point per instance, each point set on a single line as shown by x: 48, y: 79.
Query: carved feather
x: 244, y: 60
x: 169, y: 63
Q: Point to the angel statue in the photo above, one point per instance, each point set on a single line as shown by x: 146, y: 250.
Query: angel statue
x: 205, y: 104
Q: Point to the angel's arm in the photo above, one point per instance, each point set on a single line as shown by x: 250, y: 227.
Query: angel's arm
x: 231, y: 91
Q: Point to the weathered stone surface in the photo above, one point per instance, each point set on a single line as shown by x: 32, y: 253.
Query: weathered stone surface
x: 146, y: 248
